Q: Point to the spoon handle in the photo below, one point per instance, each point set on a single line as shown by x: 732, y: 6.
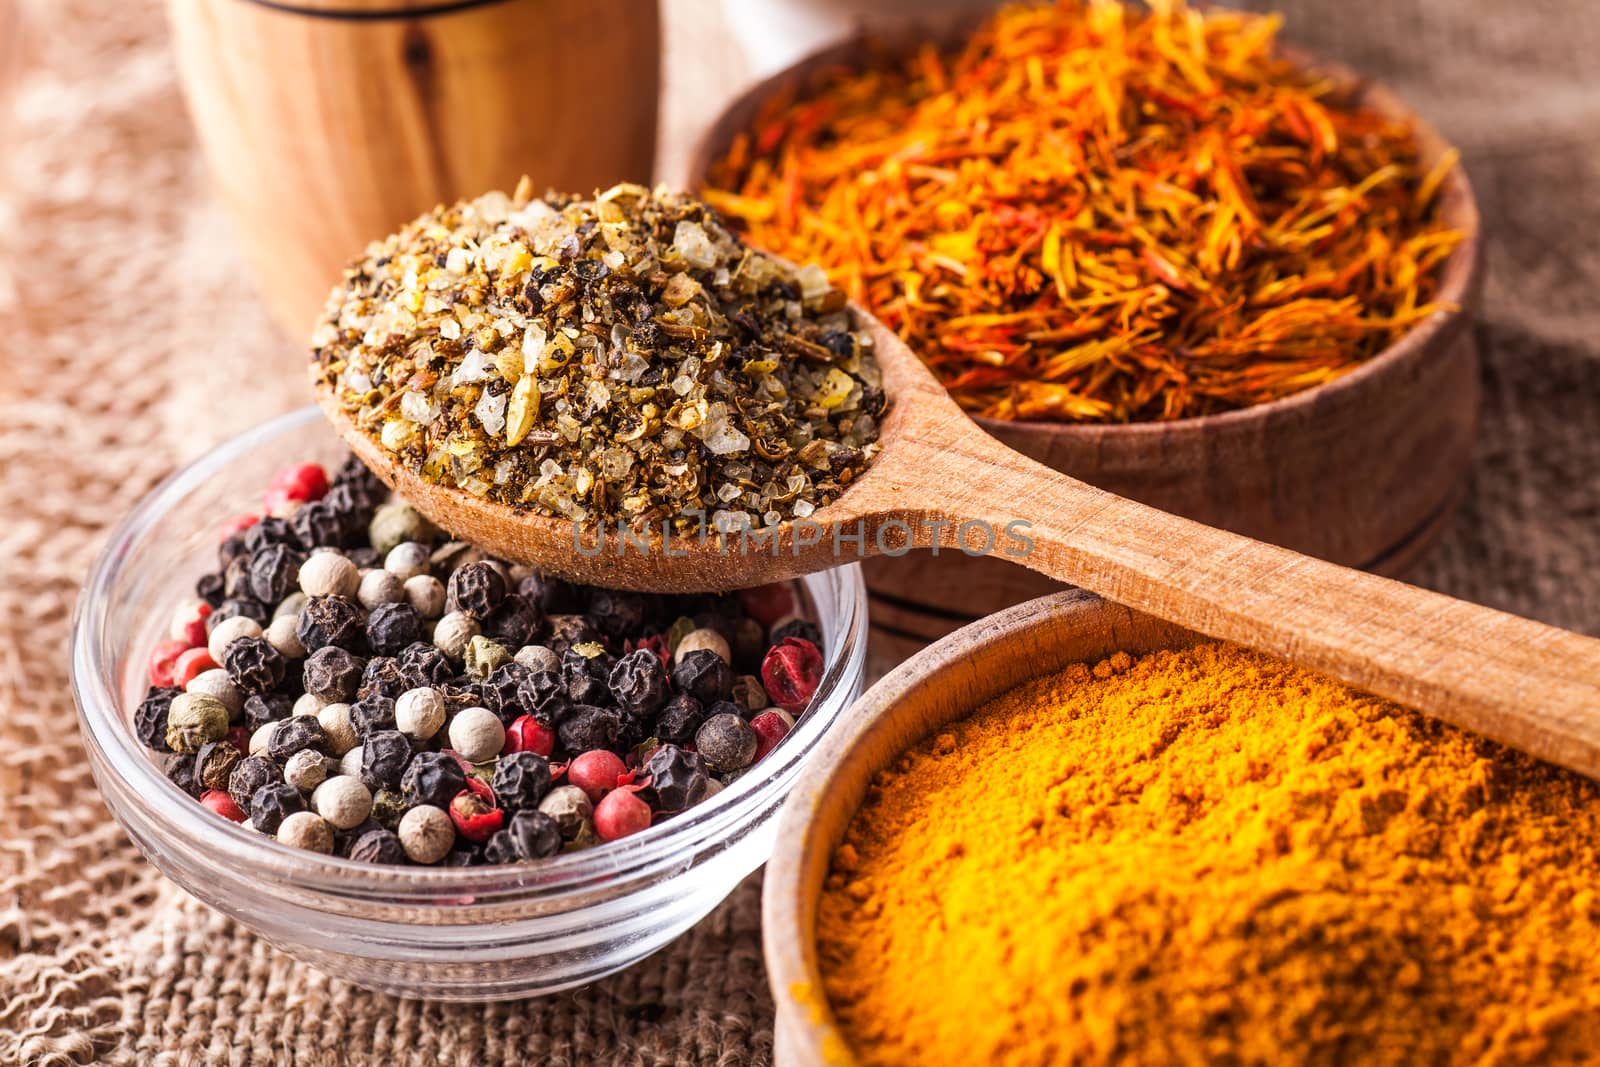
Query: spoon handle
x: 1531, y: 686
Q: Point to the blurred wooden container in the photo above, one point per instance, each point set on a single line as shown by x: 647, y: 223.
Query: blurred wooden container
x: 329, y: 123
x: 1365, y: 471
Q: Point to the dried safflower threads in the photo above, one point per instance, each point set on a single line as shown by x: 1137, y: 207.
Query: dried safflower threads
x: 388, y: 734
x: 621, y: 359
x: 1087, y: 212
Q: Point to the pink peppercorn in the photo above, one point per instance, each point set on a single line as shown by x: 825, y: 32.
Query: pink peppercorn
x: 299, y: 484
x: 476, y: 818
x: 770, y: 727
x: 193, y: 662
x: 189, y: 623
x: 768, y: 603
x: 237, y: 523
x: 791, y: 672
x: 528, y: 734
x: 620, y: 813
x: 163, y: 664
x: 220, y: 802
x: 597, y: 773
x: 239, y: 738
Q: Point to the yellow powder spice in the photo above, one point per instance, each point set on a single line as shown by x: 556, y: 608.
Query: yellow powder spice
x: 1209, y: 857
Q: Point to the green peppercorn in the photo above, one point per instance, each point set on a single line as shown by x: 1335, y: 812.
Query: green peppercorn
x: 194, y: 719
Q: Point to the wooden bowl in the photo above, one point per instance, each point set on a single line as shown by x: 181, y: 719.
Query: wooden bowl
x: 1364, y: 471
x: 936, y: 686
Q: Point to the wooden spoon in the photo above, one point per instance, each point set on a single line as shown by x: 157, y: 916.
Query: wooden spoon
x: 1534, y: 687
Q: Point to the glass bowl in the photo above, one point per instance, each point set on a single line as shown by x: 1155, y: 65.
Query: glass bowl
x: 481, y: 933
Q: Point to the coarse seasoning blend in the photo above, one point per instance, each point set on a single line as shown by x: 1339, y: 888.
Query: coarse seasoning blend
x: 1210, y: 857
x: 1088, y: 211
x: 618, y: 359
x: 352, y: 681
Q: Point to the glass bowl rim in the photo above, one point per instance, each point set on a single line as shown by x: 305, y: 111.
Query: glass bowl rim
x: 107, y: 731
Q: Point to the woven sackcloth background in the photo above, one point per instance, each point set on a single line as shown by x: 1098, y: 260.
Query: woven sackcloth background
x: 131, y: 340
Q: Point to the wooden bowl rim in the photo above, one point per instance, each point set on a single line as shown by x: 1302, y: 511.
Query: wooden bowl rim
x: 811, y: 1033
x: 1459, y: 282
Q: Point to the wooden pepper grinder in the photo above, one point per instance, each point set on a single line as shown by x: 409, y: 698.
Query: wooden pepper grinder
x: 328, y: 123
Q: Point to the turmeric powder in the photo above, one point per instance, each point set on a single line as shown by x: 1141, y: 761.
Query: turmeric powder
x: 1207, y: 856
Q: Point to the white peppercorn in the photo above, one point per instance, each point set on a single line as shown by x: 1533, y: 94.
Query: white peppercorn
x: 406, y: 561
x: 290, y: 606
x: 216, y: 683
x: 538, y: 658
x: 350, y: 762
x: 426, y: 595
x: 281, y: 634
x: 306, y: 769
x: 227, y: 632
x: 453, y: 633
x: 309, y: 704
x: 343, y: 801
x: 262, y: 737
x: 194, y: 719
x: 328, y: 574
x: 426, y: 833
x: 307, y: 830
x: 477, y: 734
x: 337, y: 728
x: 419, y: 713
x: 569, y: 806
x: 379, y: 587
x: 703, y: 638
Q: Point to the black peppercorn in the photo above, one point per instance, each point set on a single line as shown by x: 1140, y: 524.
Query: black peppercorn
x: 385, y: 755
x: 521, y: 779
x: 269, y: 531
x: 569, y: 630
x: 433, y: 778
x: 476, y: 589
x: 378, y: 846
x: 586, y: 677
x: 262, y: 708
x: 232, y: 547
x: 514, y: 623
x: 383, y: 677
x: 274, y: 572
x: 236, y: 578
x: 365, y: 557
x: 796, y: 627
x: 345, y: 840
x: 460, y: 694
x: 543, y: 694
x: 295, y: 734
x: 550, y: 595
x: 273, y: 803
x: 333, y: 674
x: 358, y: 477
x: 678, y: 721
x: 150, y: 718
x: 318, y: 524
x: 678, y: 778
x: 214, y: 764
x: 587, y: 727
x: 209, y: 588
x: 238, y: 606
x: 424, y: 665
x: 747, y: 641
x: 464, y: 854
x: 638, y: 682
x: 330, y: 620
x: 531, y: 835
x: 615, y: 614
x: 179, y: 767
x: 253, y: 664
x: 703, y: 675
x: 392, y: 627
x: 371, y: 715
x: 726, y: 742
x: 248, y: 775
x: 500, y: 691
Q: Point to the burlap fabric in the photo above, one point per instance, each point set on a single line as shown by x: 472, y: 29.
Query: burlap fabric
x: 131, y: 341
